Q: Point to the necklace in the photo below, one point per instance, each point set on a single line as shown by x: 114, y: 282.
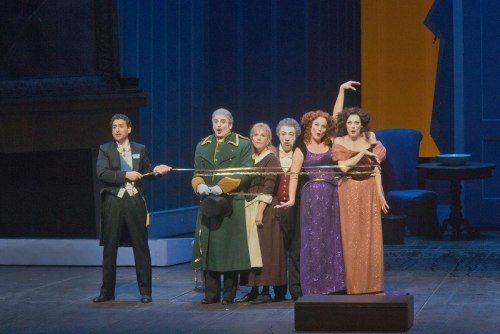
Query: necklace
x: 123, y: 150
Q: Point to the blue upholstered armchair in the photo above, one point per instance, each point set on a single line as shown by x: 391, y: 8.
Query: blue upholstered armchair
x: 399, y: 178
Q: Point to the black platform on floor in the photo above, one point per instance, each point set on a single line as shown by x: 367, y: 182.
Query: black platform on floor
x: 354, y: 313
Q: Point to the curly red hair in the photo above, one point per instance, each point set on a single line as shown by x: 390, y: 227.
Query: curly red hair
x: 308, y: 118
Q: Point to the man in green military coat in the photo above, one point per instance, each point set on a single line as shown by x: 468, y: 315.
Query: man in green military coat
x: 220, y: 246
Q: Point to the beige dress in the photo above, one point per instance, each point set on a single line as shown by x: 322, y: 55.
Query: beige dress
x: 361, y: 224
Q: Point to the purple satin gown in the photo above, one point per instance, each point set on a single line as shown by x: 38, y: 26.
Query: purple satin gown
x: 321, y: 259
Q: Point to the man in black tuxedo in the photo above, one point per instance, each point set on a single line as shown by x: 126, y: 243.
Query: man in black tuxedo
x: 121, y: 165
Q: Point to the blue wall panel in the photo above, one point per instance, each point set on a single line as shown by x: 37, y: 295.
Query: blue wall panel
x: 472, y: 28
x: 481, y: 107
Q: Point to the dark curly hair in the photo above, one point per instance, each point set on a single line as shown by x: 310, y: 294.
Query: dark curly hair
x: 344, y: 115
x: 307, y: 121
x: 122, y: 117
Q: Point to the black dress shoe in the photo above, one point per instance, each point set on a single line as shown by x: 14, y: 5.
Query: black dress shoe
x: 205, y: 301
x: 103, y: 298
x: 246, y: 298
x: 226, y: 302
x: 146, y: 299
x: 262, y: 299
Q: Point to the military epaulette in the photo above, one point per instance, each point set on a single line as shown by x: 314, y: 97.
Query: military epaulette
x: 236, y: 141
x: 206, y: 140
x: 243, y: 137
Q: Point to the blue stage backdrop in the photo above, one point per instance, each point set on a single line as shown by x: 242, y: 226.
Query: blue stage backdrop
x: 263, y: 60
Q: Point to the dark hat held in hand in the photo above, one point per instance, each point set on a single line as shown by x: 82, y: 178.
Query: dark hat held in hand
x: 215, y: 206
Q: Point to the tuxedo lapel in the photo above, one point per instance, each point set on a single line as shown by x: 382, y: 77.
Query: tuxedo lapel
x: 114, y: 156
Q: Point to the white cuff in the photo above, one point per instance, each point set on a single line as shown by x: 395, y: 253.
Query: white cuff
x: 265, y: 198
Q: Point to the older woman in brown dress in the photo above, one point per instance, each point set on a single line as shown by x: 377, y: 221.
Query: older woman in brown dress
x: 261, y: 213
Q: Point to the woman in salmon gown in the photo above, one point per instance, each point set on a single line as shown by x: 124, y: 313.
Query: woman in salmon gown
x: 361, y: 200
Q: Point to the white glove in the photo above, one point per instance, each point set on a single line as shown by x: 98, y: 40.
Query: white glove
x: 216, y: 190
x: 203, y: 189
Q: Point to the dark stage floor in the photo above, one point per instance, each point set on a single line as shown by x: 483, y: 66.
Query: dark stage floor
x: 456, y: 287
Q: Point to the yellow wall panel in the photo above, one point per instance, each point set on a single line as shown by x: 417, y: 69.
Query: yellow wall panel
x: 398, y: 66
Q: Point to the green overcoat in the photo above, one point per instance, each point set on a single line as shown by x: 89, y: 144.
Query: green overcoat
x: 220, y: 244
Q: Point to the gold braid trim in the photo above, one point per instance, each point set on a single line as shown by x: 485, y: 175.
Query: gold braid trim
x: 335, y: 170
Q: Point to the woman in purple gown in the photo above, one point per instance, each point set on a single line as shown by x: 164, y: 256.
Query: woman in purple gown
x: 321, y: 259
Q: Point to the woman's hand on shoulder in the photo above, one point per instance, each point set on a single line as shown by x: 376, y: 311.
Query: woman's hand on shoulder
x: 338, y: 140
x: 372, y: 138
x: 368, y: 153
